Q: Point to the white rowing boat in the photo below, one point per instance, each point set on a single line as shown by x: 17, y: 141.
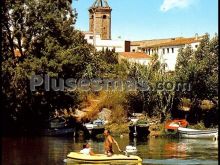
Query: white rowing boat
x: 101, y: 158
x: 197, y: 134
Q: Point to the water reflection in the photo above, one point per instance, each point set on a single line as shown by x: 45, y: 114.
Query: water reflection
x: 179, y: 162
x: 50, y: 150
x: 178, y: 148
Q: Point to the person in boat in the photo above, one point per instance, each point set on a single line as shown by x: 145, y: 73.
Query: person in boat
x: 109, y: 140
x: 87, y: 150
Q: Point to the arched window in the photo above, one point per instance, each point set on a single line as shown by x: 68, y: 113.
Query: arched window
x: 104, y: 17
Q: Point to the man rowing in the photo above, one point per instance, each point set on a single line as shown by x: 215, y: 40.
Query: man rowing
x: 109, y: 140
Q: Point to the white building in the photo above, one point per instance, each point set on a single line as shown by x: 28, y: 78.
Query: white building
x: 167, y: 49
x: 135, y: 57
x: 100, y: 44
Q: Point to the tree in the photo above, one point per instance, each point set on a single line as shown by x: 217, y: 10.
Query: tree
x: 199, y: 68
x: 156, y: 100
x: 39, y: 38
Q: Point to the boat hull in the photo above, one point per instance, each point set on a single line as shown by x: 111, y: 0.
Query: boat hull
x: 141, y: 131
x: 57, y: 123
x: 197, y: 134
x: 102, y: 159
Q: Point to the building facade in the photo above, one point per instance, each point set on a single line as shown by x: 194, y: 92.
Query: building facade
x: 100, y: 19
x: 100, y: 44
x: 99, y: 33
x: 166, y: 49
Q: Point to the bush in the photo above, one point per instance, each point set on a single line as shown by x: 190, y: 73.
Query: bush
x: 119, y: 115
x: 117, y: 129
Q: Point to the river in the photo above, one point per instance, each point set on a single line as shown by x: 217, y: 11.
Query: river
x: 153, y: 151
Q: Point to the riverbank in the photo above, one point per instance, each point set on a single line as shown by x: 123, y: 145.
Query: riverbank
x: 118, y: 129
x: 156, y: 130
x: 123, y: 129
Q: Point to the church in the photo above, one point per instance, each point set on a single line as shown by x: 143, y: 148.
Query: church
x: 99, y: 33
x: 141, y: 52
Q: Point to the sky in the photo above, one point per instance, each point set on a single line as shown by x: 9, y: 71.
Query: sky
x: 152, y: 19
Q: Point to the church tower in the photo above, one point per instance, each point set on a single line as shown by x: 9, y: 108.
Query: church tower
x: 100, y: 19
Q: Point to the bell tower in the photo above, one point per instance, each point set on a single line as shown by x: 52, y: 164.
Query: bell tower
x: 100, y: 19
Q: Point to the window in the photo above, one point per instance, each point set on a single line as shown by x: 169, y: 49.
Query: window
x: 163, y: 51
x: 172, y: 50
x: 196, y: 46
x: 133, y: 50
x: 104, y: 17
x: 168, y: 50
x: 91, y: 37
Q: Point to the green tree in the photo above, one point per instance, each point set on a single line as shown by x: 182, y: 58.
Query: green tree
x: 39, y: 38
x: 199, y: 68
x: 154, y: 100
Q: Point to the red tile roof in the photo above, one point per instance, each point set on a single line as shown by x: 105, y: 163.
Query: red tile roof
x: 177, y: 41
x: 180, y: 42
x: 134, y: 55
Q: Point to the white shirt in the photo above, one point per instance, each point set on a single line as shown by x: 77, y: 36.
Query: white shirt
x: 85, y: 151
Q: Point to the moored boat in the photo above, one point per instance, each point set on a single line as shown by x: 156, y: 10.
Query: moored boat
x: 57, y: 123
x: 57, y: 132
x: 139, y: 129
x: 175, y: 124
x: 97, y: 124
x: 101, y: 158
x: 56, y: 127
x: 171, y: 126
x: 200, y: 134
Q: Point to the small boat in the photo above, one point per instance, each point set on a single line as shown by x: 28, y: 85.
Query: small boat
x: 102, y: 159
x: 175, y: 124
x: 57, y: 123
x: 99, y: 122
x: 200, y: 134
x: 96, y: 124
x: 139, y: 128
x: 57, y: 132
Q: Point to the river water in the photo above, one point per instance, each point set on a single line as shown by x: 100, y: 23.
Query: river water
x: 153, y: 151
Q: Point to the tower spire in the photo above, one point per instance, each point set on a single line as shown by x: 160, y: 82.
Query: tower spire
x: 100, y: 3
x: 100, y: 19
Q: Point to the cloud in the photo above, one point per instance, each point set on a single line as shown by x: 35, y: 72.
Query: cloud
x: 170, y: 4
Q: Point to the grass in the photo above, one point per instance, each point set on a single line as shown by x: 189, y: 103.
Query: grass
x: 118, y: 129
x: 198, y: 126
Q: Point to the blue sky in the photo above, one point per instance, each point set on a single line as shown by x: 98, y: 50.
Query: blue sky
x: 151, y: 19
